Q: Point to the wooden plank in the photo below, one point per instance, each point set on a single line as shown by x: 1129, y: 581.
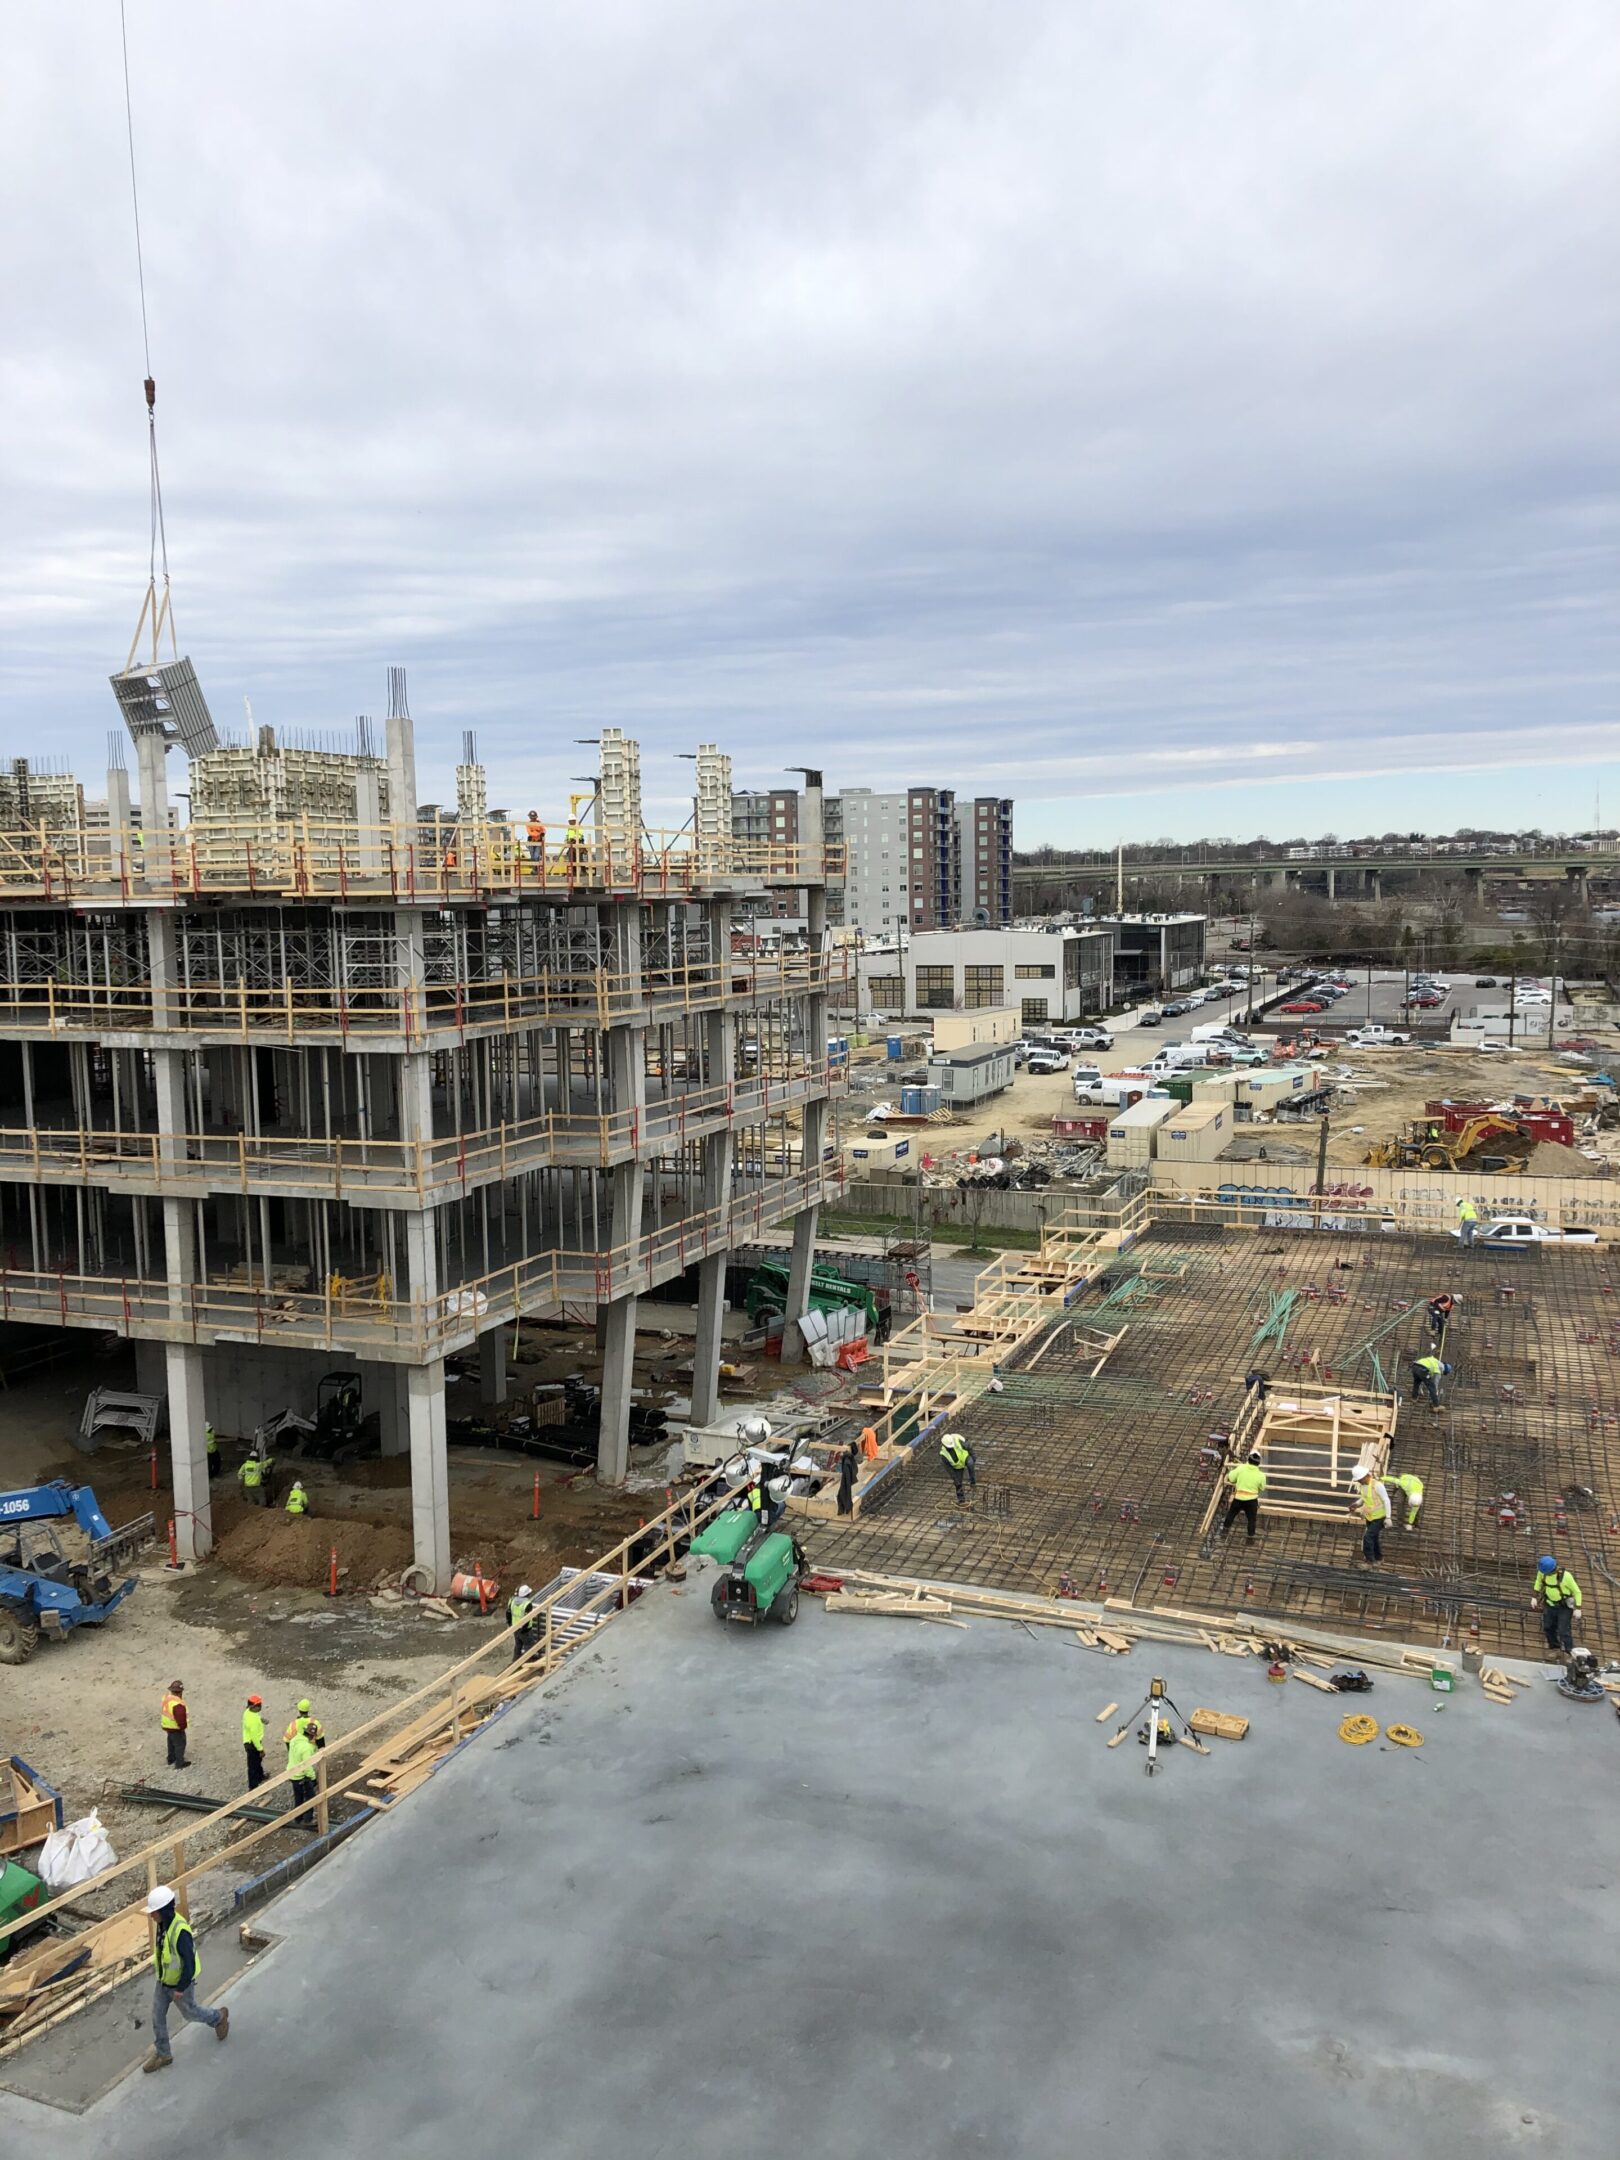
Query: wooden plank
x: 1106, y: 1713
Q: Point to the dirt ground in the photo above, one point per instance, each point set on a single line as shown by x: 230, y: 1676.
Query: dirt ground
x: 84, y: 1712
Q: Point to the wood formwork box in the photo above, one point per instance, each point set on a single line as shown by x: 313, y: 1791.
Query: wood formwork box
x: 1310, y: 1441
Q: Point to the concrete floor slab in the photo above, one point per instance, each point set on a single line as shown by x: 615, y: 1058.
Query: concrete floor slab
x: 870, y: 1886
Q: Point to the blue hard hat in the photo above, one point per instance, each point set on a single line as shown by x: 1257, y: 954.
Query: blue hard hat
x: 1546, y: 1563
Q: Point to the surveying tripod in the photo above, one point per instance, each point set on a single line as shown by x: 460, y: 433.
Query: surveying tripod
x: 1158, y: 1726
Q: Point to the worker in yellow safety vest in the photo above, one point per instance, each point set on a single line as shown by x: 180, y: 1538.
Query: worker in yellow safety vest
x: 306, y: 1717
x: 1427, y: 1373
x: 301, y: 1753
x: 211, y: 1443
x: 175, y: 1721
x: 253, y: 1740
x: 297, y: 1498
x: 518, y: 1608
x: 1411, y: 1485
x: 1370, y: 1498
x: 574, y: 839
x: 1247, y: 1481
x: 254, y: 1477
x: 174, y: 1960
x: 1559, y: 1596
x: 960, y: 1460
x: 1467, y: 1220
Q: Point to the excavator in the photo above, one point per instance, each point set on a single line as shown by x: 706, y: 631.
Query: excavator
x: 1488, y: 1142
x: 46, y: 1591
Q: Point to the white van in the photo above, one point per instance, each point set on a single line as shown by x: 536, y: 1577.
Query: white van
x: 1219, y: 1031
x: 1175, y: 1057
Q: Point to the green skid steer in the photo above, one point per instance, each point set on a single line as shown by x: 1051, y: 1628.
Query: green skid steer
x: 760, y: 1571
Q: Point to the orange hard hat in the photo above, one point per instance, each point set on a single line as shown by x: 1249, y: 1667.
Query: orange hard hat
x: 255, y: 1702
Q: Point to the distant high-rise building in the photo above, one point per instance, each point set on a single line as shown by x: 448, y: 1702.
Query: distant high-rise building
x: 769, y: 817
x: 986, y: 841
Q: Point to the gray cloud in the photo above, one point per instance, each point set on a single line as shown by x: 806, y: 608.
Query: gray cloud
x: 1000, y: 394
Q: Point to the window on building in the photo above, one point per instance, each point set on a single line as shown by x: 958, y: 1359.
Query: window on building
x: 1071, y: 963
x: 1032, y: 1009
x: 1040, y: 971
x: 888, y: 990
x: 982, y: 986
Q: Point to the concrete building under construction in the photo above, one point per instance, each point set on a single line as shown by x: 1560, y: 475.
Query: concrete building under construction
x: 317, y: 1077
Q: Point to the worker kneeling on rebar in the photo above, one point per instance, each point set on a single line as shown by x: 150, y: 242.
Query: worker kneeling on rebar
x: 960, y: 1460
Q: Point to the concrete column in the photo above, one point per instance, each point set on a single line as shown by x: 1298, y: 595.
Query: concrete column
x: 813, y: 1136
x: 430, y: 1471
x: 368, y: 840
x: 150, y: 752
x: 618, y: 1389
x: 388, y: 1394
x: 623, y: 1049
x: 120, y: 853
x: 492, y: 1365
x: 1332, y: 884
x: 188, y: 1450
x: 718, y: 1155
x: 1375, y: 886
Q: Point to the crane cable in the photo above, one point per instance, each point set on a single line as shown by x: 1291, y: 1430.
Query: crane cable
x: 159, y: 541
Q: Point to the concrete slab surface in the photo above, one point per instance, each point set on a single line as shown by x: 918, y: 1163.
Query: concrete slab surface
x: 874, y: 1886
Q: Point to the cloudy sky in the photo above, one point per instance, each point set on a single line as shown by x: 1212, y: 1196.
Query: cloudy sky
x: 1185, y: 416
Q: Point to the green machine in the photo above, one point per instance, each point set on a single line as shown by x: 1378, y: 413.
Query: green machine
x: 767, y: 1296
x: 20, y: 1892
x: 762, y: 1582
x: 725, y: 1537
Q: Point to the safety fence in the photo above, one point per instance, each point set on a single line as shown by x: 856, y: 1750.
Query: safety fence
x: 459, y: 1700
x: 434, y: 862
x: 410, y: 1012
x: 406, y: 1329
x: 371, y: 1169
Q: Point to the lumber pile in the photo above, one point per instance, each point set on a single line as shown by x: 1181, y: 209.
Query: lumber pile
x: 61, y: 1975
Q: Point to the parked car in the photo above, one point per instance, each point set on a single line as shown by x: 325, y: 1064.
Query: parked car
x: 1375, y: 1037
x: 1484, y: 982
x: 1042, y: 1062
x: 1510, y: 1231
x: 1086, y: 1078
x: 1178, y: 1006
x: 1149, y: 1016
x: 1426, y: 1000
x: 1305, y: 1005
x: 1092, y: 1038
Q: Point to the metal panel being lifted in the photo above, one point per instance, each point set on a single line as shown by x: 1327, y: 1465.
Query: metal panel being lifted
x: 167, y: 700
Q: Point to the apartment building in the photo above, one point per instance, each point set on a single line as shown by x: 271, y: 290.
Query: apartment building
x: 985, y: 845
x: 281, y: 1095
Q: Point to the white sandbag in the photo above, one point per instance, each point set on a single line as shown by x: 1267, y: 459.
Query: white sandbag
x: 72, y: 1855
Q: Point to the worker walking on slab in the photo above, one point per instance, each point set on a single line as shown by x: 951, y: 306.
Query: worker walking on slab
x: 1559, y: 1596
x: 174, y: 1958
x: 1467, y: 1221
x: 297, y: 1498
x: 175, y: 1724
x: 960, y: 1460
x: 1370, y: 1498
x: 518, y: 1608
x: 1246, y: 1482
x: 253, y: 1741
x: 1409, y: 1483
x: 1427, y: 1373
x: 301, y: 1754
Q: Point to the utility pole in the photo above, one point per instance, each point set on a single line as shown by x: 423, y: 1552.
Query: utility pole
x: 1119, y: 881
x: 1513, y: 991
x: 1552, y: 1002
x: 1251, y: 963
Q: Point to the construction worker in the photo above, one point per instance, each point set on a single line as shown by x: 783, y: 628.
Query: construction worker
x: 174, y: 1959
x: 253, y: 1740
x: 301, y: 1752
x: 175, y: 1725
x: 1247, y: 1481
x: 306, y: 1717
x: 1411, y: 1485
x: 253, y: 1474
x: 1427, y: 1373
x: 537, y: 838
x: 574, y: 840
x: 868, y: 1443
x: 848, y: 1457
x: 960, y: 1460
x: 1467, y: 1220
x: 1258, y: 1383
x: 1441, y: 1309
x: 1370, y: 1499
x: 211, y: 1441
x: 518, y: 1608
x: 297, y: 1498
x: 1559, y: 1596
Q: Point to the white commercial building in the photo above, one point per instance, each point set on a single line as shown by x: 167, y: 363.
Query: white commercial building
x: 1043, y: 975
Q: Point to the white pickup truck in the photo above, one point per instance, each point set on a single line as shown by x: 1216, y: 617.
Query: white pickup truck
x: 1374, y: 1037
x: 1520, y: 1232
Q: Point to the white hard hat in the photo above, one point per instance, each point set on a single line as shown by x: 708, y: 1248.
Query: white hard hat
x: 158, y: 1898
x: 754, y: 1430
x: 1357, y: 1474
x: 523, y: 1590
